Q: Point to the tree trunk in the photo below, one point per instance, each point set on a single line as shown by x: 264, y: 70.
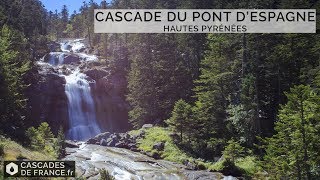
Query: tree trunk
x: 244, y: 54
x: 304, y: 141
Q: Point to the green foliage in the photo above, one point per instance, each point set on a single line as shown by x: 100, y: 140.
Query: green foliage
x: 1, y: 150
x: 41, y: 138
x: 239, y: 120
x: 171, y: 151
x: 181, y: 118
x: 104, y: 175
x: 60, y: 143
x: 292, y: 151
x: 233, y: 151
x: 249, y: 165
x: 159, y: 76
x: 13, y: 151
x: 229, y: 168
x: 13, y: 66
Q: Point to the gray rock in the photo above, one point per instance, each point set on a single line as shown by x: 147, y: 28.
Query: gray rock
x: 71, y: 144
x: 92, y: 141
x: 134, y: 149
x: 71, y: 58
x: 190, y: 165
x: 147, y: 126
x: 96, y: 73
x: 97, y: 139
x: 112, y: 142
x: 103, y: 142
x: 159, y: 146
x: 121, y: 145
x: 124, y: 136
x: 203, y: 175
x: 132, y: 145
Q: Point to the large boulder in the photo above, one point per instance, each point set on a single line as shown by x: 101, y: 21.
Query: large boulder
x: 71, y: 58
x: 96, y: 73
x: 98, y: 138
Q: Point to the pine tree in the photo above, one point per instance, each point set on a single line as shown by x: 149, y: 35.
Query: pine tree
x: 233, y: 151
x: 181, y: 118
x: 64, y: 16
x: 292, y: 151
x: 60, y: 144
x: 13, y: 67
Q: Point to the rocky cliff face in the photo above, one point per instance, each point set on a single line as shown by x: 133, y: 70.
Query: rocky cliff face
x: 48, y: 100
x: 108, y: 94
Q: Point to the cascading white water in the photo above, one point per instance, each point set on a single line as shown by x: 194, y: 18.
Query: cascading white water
x: 56, y: 58
x: 82, y: 118
x: 81, y: 108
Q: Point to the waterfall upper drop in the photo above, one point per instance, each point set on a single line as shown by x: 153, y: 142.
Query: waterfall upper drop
x: 82, y: 118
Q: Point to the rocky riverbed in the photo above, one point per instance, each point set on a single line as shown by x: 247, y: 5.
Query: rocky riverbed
x: 124, y: 164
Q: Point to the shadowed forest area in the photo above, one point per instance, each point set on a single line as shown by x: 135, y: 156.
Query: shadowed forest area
x: 246, y: 105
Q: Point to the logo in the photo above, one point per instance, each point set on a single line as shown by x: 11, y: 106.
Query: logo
x: 12, y: 168
x: 39, y: 169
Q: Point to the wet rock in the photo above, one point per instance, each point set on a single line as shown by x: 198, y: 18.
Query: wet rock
x: 133, y: 165
x: 112, y: 142
x: 103, y: 142
x: 98, y: 138
x: 82, y: 49
x: 203, y: 175
x: 132, y: 145
x: 96, y: 73
x: 71, y: 144
x: 121, y: 145
x: 134, y: 149
x: 71, y: 58
x: 91, y: 141
x: 159, y: 146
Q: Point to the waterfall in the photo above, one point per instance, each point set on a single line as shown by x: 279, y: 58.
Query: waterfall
x: 56, y: 58
x: 82, y: 118
x: 81, y: 108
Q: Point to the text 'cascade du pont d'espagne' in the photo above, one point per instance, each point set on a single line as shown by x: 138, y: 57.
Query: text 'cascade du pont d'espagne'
x: 156, y: 16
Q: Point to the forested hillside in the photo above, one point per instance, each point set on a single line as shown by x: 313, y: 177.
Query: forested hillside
x: 236, y: 95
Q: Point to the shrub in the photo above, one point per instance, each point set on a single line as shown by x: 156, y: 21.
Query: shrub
x: 104, y: 175
x: 41, y: 138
